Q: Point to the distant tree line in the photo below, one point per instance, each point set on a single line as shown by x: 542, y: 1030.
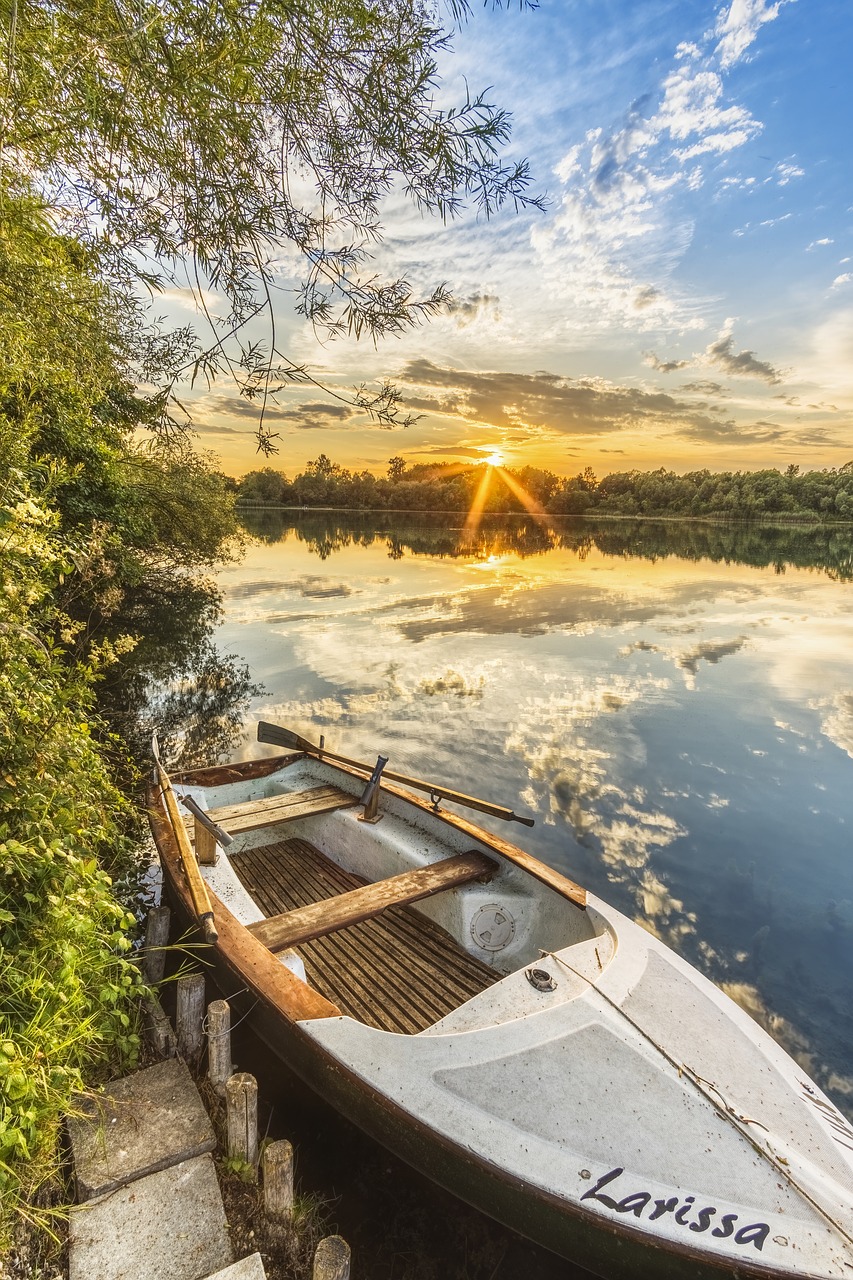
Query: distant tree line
x: 738, y: 495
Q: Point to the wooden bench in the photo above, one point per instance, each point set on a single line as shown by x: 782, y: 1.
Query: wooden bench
x: 270, y: 811
x: 319, y: 918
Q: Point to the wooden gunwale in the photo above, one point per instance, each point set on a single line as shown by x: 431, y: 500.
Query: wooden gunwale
x: 570, y: 1230
x: 222, y: 774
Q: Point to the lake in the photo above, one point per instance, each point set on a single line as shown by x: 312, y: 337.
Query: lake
x: 673, y: 703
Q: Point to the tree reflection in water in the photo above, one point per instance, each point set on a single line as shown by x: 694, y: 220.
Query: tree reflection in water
x: 176, y: 680
x: 828, y: 548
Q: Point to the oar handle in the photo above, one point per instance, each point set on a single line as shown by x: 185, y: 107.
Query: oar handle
x: 281, y: 737
x: 198, y: 889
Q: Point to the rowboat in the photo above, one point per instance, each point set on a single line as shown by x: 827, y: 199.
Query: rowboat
x: 507, y: 1033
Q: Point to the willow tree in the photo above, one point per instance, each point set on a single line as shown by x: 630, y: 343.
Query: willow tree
x: 223, y: 134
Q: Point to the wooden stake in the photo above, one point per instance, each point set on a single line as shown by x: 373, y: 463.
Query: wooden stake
x: 219, y: 1067
x: 189, y: 1015
x: 332, y: 1259
x: 241, y: 1109
x: 278, y: 1179
x: 156, y: 939
x: 205, y: 845
x: 157, y: 1030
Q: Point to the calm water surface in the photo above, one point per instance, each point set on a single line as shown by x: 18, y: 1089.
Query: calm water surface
x: 673, y: 704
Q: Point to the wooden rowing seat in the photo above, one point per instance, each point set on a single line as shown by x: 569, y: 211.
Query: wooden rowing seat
x: 398, y: 971
x: 270, y: 811
x: 330, y: 914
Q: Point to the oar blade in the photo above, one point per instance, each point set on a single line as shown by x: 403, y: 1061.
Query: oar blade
x: 281, y: 737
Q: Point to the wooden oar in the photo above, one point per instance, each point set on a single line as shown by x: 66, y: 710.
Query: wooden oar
x: 198, y: 889
x: 280, y: 737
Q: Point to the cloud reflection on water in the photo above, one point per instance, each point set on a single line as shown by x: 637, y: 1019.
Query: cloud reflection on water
x: 680, y: 723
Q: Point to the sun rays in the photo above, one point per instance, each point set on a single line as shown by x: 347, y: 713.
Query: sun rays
x: 495, y: 468
x: 475, y: 511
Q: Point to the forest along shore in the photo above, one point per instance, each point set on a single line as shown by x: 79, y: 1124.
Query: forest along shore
x: 792, y: 495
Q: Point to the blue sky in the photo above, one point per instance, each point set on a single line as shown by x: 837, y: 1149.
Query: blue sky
x: 686, y: 300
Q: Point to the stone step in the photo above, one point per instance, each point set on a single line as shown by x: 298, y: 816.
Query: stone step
x: 145, y: 1122
x: 166, y: 1224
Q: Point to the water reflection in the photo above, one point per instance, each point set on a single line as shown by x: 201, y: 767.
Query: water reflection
x: 674, y: 702
x: 828, y: 548
x: 176, y: 679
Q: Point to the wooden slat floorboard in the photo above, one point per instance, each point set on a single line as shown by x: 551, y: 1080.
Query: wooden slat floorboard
x: 398, y: 972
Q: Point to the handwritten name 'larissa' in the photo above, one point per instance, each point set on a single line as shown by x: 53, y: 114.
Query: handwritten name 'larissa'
x: 637, y: 1202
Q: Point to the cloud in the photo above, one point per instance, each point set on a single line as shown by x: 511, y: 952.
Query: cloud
x: 309, y: 586
x: 741, y: 364
x: 738, y: 26
x: 646, y: 297
x: 451, y: 684
x: 711, y: 651
x: 320, y: 416
x: 841, y: 280
x: 623, y: 222
x: 785, y: 173
x: 766, y: 222
x: 216, y: 429
x: 706, y: 388
x: 664, y: 366
x: 315, y: 415
x: 466, y: 310
x: 546, y: 400
x: 838, y: 722
x: 454, y: 451
x: 189, y: 299
x: 816, y: 244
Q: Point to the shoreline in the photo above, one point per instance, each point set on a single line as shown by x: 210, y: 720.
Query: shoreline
x: 767, y: 521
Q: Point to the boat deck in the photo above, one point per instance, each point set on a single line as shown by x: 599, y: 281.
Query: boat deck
x: 398, y: 972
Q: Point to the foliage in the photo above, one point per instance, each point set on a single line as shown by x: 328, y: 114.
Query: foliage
x: 749, y: 495
x: 64, y: 968
x: 225, y: 133
x: 92, y: 521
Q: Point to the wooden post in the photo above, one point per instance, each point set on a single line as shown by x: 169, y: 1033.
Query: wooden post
x: 332, y: 1259
x: 156, y: 939
x: 241, y: 1109
x: 219, y: 1067
x: 278, y: 1179
x: 189, y: 1015
x: 157, y: 1030
x: 205, y: 845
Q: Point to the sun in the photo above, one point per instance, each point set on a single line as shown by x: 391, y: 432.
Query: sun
x: 495, y: 459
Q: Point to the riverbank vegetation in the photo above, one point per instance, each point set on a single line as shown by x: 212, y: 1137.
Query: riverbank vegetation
x: 145, y: 148
x: 740, y: 495
x: 90, y: 517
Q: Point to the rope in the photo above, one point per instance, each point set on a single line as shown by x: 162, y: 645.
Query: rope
x: 708, y: 1090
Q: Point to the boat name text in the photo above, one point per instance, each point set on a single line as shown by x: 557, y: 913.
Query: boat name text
x: 754, y: 1233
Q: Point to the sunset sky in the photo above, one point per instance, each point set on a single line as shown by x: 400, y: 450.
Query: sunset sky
x: 685, y: 301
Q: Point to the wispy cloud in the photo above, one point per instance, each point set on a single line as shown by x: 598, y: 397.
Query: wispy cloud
x: 564, y: 406
x: 741, y: 364
x: 466, y: 310
x: 664, y: 366
x: 216, y: 410
x: 739, y: 24
x: 622, y: 226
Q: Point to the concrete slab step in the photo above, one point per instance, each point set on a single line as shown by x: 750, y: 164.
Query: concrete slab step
x: 251, y: 1268
x: 167, y: 1224
x: 138, y: 1125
